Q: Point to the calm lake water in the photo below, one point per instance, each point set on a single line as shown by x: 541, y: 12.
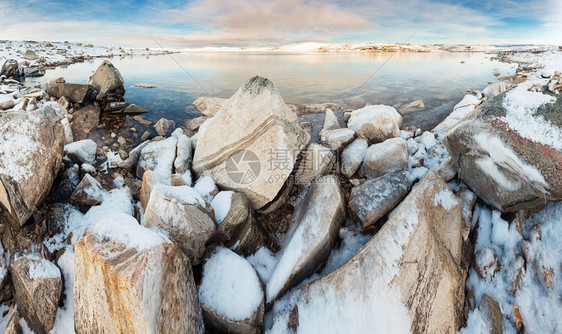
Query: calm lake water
x: 439, y: 79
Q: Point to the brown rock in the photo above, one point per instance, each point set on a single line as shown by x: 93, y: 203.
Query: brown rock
x: 84, y: 121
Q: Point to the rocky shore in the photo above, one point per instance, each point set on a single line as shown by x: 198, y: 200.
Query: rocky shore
x: 249, y: 219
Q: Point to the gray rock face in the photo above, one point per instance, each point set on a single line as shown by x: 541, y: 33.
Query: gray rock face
x: 318, y: 215
x: 84, y: 121
x: 493, y: 314
x: 120, y: 287
x: 5, y: 105
x: 316, y: 161
x: 386, y: 157
x: 108, y: 83
x: 208, y: 106
x: 375, y: 198
x: 180, y: 211
x: 164, y: 127
x: 10, y: 68
x: 37, y: 286
x: 352, y: 156
x: 337, y: 138
x: 31, y: 148
x: 507, y: 171
x: 257, y: 120
x: 78, y: 93
x: 414, y: 259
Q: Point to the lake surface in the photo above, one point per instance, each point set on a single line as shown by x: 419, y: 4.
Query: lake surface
x: 439, y: 79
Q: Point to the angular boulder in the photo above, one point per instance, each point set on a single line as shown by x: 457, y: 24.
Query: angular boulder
x: 376, y: 123
x: 317, y: 160
x: 31, y: 148
x: 128, y: 279
x: 37, y: 290
x: 78, y: 93
x: 108, y: 83
x: 352, y: 156
x: 337, y: 138
x: 460, y: 111
x: 509, y: 156
x: 410, y: 271
x: 88, y: 192
x: 386, y: 157
x: 252, y: 143
x: 10, y: 68
x: 84, y: 120
x: 231, y: 294
x: 318, y: 217
x: 375, y: 198
x: 158, y: 156
x: 180, y: 211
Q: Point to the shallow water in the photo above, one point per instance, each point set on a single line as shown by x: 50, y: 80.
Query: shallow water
x: 439, y: 79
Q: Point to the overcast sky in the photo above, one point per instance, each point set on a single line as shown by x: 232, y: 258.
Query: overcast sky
x: 269, y: 22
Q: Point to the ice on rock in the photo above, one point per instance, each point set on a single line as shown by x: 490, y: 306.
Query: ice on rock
x: 446, y: 199
x: 83, y: 150
x: 221, y: 203
x: 264, y: 261
x: 158, y: 156
x: 353, y: 156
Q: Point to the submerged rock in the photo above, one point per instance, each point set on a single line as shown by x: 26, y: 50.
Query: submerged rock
x: 37, y: 290
x: 31, y: 148
x: 108, y: 83
x: 507, y: 170
x: 180, y: 211
x: 128, y: 279
x: 231, y: 294
x: 410, y: 270
x: 165, y: 127
x: 318, y: 217
x: 208, y: 106
x: 252, y: 143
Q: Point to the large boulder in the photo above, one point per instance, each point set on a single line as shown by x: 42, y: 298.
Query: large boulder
x: 509, y: 152
x: 84, y: 120
x: 208, y: 106
x: 78, y: 93
x: 108, y: 83
x: 31, y: 148
x: 318, y: 215
x: 386, y: 157
x: 375, y: 198
x: 252, y: 143
x: 158, y: 156
x: 181, y: 212
x: 376, y: 123
x: 10, y: 68
x: 231, y: 294
x: 37, y: 291
x: 406, y: 279
x: 128, y: 279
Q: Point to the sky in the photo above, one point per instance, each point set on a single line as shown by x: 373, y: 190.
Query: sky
x: 196, y: 23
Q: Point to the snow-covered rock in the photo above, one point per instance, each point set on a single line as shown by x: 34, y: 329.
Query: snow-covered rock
x: 10, y: 68
x: 386, y: 157
x: 129, y: 279
x: 376, y: 123
x: 208, y: 106
x: 182, y: 213
x: 37, y: 290
x: 88, y: 192
x: 494, y: 89
x: 231, y: 294
x: 257, y: 120
x: 330, y: 121
x: 352, y: 156
x: 317, y: 218
x: 375, y: 198
x: 317, y: 160
x: 406, y: 279
x: 108, y: 82
x: 158, y: 156
x: 82, y: 151
x: 183, y: 153
x: 510, y: 152
x: 460, y: 111
x: 31, y: 148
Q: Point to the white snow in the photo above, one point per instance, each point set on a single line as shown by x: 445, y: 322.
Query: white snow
x: 205, y: 186
x: 520, y: 105
x: 159, y: 157
x: 446, y: 199
x: 64, y: 321
x: 525, y: 256
x: 221, y: 204
x: 42, y: 268
x: 264, y: 261
x: 230, y: 285
x: 85, y: 150
x: 185, y: 194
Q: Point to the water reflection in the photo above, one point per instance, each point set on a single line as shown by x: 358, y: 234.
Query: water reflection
x: 436, y: 78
